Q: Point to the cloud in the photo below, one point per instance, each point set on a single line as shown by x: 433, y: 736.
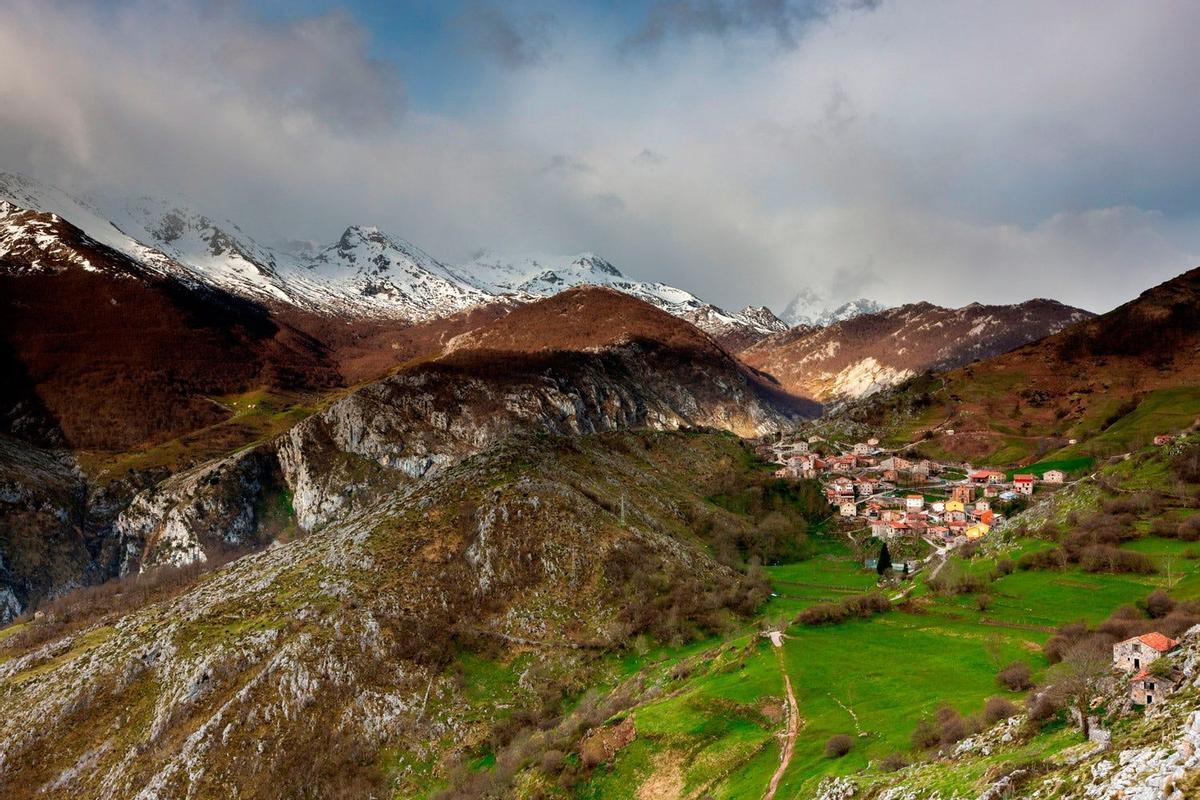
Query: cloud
x: 513, y: 42
x: 951, y: 152
x: 648, y: 156
x: 562, y: 164
x: 785, y: 19
x: 315, y: 66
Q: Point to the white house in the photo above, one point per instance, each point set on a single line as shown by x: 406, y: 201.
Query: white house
x: 847, y: 509
x: 914, y: 502
x: 1023, y: 484
x: 1137, y: 653
x: 1054, y: 476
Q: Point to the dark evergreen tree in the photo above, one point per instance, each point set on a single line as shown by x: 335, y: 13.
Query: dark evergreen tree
x: 885, y: 560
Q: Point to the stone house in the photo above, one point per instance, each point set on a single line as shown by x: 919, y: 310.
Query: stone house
x: 1146, y: 688
x: 1054, y: 476
x: 1134, y: 655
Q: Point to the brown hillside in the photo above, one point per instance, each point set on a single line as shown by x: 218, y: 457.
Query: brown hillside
x: 118, y: 357
x: 1100, y: 380
x: 586, y: 318
x: 860, y: 356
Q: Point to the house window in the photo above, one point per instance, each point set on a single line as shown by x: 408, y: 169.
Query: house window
x: 1137, y: 663
x: 1149, y: 699
x: 1150, y: 686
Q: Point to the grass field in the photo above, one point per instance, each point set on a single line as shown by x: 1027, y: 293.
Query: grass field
x: 712, y: 727
x: 889, y: 670
x: 1161, y: 411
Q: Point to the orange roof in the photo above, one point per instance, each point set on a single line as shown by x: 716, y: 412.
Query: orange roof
x: 1024, y: 478
x: 1156, y: 640
x: 1139, y: 676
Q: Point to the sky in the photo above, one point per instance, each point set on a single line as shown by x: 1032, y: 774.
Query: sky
x: 950, y: 151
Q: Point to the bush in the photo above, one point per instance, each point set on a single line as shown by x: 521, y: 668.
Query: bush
x: 925, y: 735
x: 1159, y: 604
x: 893, y: 762
x: 838, y: 745
x: 1041, y: 707
x: 1016, y: 677
x: 983, y: 601
x: 997, y: 709
x: 952, y: 728
x: 1189, y: 529
x: 553, y: 762
x: 858, y: 606
x: 1186, y: 465
x: 1107, y: 558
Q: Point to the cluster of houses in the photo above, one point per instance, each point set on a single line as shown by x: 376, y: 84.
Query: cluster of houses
x: 1136, y: 655
x: 864, y: 482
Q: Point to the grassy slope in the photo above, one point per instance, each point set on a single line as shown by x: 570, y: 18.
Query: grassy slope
x: 890, y: 670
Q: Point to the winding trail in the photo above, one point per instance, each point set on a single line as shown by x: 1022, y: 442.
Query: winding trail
x: 793, y: 720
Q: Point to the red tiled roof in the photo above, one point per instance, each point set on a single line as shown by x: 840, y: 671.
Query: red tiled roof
x: 1024, y: 478
x: 1156, y: 640
x: 1139, y: 676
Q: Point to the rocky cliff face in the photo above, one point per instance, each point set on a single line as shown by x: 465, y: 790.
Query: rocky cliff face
x: 56, y: 530
x: 188, y: 516
x: 502, y: 379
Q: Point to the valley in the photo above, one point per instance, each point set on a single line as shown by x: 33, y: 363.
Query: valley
x: 365, y: 524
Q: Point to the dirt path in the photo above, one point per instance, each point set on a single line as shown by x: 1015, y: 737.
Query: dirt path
x: 793, y: 722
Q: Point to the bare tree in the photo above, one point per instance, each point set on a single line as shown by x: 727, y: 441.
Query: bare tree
x: 1081, y: 675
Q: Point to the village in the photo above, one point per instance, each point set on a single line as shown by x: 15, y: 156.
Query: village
x: 907, y: 499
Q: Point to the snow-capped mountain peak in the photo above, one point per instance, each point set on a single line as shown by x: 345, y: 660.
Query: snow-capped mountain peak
x: 810, y: 308
x: 365, y: 272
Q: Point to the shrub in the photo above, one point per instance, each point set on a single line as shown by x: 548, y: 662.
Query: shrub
x: 893, y: 762
x: 952, y: 727
x: 838, y: 745
x: 1159, y: 604
x: 983, y: 601
x: 925, y: 735
x: 1186, y: 465
x: 553, y: 762
x: 857, y: 606
x: 1016, y: 677
x: 1189, y: 529
x: 1052, y: 559
x: 1106, y: 558
x: 997, y: 709
x: 1041, y: 707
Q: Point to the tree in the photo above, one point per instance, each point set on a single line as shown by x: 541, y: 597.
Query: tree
x: 884, y: 564
x: 1080, y: 675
